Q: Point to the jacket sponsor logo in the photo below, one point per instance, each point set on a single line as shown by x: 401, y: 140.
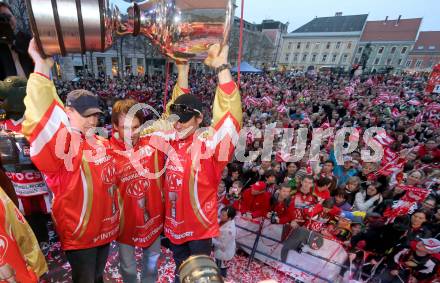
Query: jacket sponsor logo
x: 30, y: 176
x: 108, y: 173
x: 137, y: 187
x: 174, y: 181
x: 18, y: 215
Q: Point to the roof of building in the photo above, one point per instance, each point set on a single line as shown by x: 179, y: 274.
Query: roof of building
x: 271, y: 24
x: 428, y: 41
x: 334, y: 24
x: 392, y: 30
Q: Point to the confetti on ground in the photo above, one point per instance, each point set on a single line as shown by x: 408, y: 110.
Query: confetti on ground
x: 59, y: 269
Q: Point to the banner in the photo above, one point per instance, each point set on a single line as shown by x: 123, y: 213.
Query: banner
x: 433, y: 84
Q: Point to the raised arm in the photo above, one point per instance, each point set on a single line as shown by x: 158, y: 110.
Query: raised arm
x: 181, y: 87
x: 44, y: 116
x: 227, y: 110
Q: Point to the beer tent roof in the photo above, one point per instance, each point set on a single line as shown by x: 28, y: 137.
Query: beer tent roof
x: 245, y: 67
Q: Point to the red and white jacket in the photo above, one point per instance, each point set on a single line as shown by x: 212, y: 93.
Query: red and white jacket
x: 191, y: 186
x: 20, y: 254
x: 80, y: 173
x: 142, y: 208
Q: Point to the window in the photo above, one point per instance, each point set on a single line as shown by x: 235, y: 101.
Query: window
x: 388, y: 61
x: 286, y: 58
x: 307, y: 45
x: 298, y: 45
x: 403, y: 51
x: 100, y: 62
x: 328, y: 45
x: 317, y: 44
x: 431, y: 63
x: 313, y: 57
x: 295, y: 57
x: 289, y: 46
x: 376, y: 61
x: 431, y: 47
x: 115, y: 68
x: 420, y: 47
x: 344, y: 58
x: 338, y: 44
x: 408, y: 63
x: 324, y: 57
x: 393, y: 49
x: 380, y: 51
x: 356, y: 60
x: 419, y: 63
x: 399, y: 62
x: 304, y: 57
x: 349, y: 45
x: 334, y: 57
x: 360, y: 50
x: 128, y: 64
x: 140, y: 66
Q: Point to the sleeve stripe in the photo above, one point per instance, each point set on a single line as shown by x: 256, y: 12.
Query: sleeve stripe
x: 57, y: 117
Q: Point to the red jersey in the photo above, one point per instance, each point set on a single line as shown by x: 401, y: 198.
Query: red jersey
x: 284, y: 211
x: 20, y: 254
x: 191, y: 186
x: 257, y: 205
x: 142, y: 212
x: 80, y: 173
x: 301, y: 200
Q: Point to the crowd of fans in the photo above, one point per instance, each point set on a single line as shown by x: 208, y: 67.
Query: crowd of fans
x: 389, y: 210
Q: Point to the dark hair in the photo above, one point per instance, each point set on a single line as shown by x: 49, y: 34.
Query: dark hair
x: 323, y: 181
x: 310, y: 177
x: 122, y: 107
x: 5, y: 5
x: 285, y: 185
x: 329, y: 161
x: 269, y: 173
x: 328, y: 203
x: 230, y: 211
x: 341, y: 192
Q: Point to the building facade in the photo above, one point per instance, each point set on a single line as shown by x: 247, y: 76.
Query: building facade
x: 274, y: 30
x: 388, y: 44
x: 257, y: 49
x: 128, y: 56
x: 322, y: 42
x: 425, y: 54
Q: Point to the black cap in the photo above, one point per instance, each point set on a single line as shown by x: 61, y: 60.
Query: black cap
x: 186, y: 106
x: 83, y: 101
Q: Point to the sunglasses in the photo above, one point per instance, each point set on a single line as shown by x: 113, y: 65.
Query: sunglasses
x: 182, y: 108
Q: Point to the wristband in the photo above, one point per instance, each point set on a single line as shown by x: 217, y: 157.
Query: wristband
x: 222, y: 67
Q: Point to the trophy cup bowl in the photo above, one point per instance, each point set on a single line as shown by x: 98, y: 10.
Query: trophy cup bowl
x: 182, y: 29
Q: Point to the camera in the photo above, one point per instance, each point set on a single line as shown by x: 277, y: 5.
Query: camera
x: 273, y: 217
x: 6, y: 32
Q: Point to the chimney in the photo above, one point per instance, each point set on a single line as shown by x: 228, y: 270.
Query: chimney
x: 398, y: 20
x: 338, y: 14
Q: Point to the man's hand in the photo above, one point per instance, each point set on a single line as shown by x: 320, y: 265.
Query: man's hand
x: 293, y: 224
x: 7, y: 273
x: 394, y: 272
x: 41, y: 65
x: 217, y: 57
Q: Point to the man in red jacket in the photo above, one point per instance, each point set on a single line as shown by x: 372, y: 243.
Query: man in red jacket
x: 191, y: 187
x: 256, y: 201
x: 142, y: 202
x: 78, y: 169
x: 281, y: 206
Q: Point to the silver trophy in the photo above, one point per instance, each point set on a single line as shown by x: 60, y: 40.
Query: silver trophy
x: 183, y: 29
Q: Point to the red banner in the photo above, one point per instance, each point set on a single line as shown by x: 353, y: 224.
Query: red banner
x: 434, y: 80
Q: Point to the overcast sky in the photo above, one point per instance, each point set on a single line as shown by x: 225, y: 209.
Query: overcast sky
x: 299, y: 12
